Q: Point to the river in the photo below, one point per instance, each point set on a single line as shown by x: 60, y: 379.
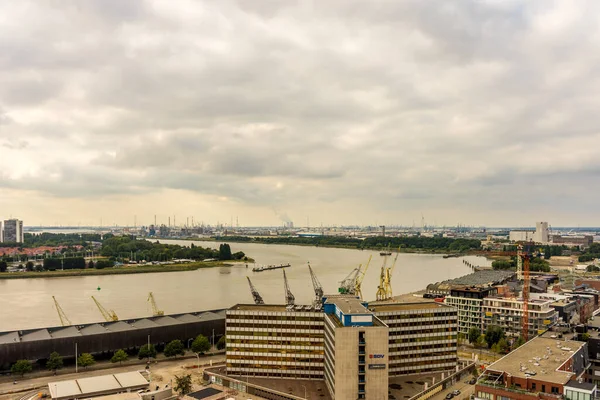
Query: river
x: 27, y: 303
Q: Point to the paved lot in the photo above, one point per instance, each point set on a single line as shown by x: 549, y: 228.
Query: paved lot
x: 466, y: 390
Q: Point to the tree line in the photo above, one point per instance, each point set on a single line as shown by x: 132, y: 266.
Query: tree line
x: 378, y: 242
x: 129, y: 247
x: 590, y: 253
x: 535, y: 264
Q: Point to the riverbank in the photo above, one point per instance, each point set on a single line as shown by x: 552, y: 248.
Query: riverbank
x: 144, y: 269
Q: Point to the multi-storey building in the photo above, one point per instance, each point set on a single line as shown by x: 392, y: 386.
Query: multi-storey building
x: 353, y: 346
x: 12, y: 231
x: 275, y: 341
x: 543, y: 368
x: 468, y: 301
x: 422, y: 338
x: 507, y: 313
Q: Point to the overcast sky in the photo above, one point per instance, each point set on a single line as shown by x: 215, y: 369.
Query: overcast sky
x: 342, y: 112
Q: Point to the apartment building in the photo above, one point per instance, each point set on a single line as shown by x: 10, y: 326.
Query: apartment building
x: 469, y: 301
x: 507, y: 313
x: 11, y: 231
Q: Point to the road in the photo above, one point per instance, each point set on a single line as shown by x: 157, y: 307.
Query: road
x: 466, y: 390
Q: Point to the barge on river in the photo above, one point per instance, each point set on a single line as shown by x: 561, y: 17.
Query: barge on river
x: 269, y: 267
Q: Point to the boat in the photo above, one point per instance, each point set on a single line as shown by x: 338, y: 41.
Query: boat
x: 385, y: 253
x: 270, y: 267
x: 451, y: 255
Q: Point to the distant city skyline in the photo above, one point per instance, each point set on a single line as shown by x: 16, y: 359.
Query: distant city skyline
x: 478, y: 113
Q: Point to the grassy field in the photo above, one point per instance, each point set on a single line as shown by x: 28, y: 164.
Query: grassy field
x: 115, y: 271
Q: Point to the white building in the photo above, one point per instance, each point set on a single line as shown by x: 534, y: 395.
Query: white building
x: 540, y: 235
x: 11, y: 231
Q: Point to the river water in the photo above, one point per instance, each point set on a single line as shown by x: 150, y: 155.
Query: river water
x: 27, y: 303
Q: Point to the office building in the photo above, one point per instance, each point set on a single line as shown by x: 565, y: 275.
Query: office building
x: 469, y: 301
x: 12, y: 231
x: 422, y: 336
x: 355, y: 347
x: 543, y: 368
x: 507, y: 313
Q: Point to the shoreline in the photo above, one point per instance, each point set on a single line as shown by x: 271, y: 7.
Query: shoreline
x: 117, y: 271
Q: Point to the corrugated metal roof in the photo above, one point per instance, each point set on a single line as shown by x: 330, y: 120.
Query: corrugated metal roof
x: 209, y: 316
x: 118, y: 326
x: 144, y: 323
x: 41, y: 334
x: 93, y: 330
x: 65, y: 332
x: 11, y: 337
x: 166, y: 320
x: 187, y: 318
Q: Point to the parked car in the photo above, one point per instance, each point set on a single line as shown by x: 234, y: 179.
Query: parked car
x: 472, y: 381
x: 456, y: 392
x: 449, y: 396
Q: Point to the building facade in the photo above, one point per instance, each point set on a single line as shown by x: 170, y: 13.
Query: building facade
x: 507, y: 313
x: 275, y: 341
x: 11, y: 231
x: 422, y: 338
x: 469, y: 301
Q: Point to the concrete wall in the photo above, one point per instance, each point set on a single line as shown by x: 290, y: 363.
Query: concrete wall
x: 377, y: 340
x: 346, y: 363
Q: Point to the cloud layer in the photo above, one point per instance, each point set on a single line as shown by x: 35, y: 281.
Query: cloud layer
x: 480, y: 112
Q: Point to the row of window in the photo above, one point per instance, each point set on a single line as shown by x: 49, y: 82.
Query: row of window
x: 293, y: 317
x: 282, y: 342
x: 275, y: 334
x: 275, y: 352
x: 291, y: 368
x: 292, y: 359
x: 271, y: 325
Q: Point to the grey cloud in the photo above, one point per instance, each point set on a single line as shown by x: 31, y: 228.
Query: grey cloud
x: 392, y: 105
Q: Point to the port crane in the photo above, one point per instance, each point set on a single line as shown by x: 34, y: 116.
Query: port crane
x: 384, y: 290
x: 155, y: 311
x: 109, y: 315
x: 316, y: 285
x: 257, y: 297
x: 289, y: 297
x: 523, y: 255
x: 352, y: 283
x: 359, y: 278
x: 64, y: 320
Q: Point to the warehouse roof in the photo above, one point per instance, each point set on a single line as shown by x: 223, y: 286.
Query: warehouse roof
x: 144, y: 323
x: 69, y: 331
x: 187, y: 318
x: 166, y: 320
x: 93, y: 329
x: 11, y: 337
x: 40, y: 334
x: 118, y: 326
x: 97, y: 385
x: 209, y: 316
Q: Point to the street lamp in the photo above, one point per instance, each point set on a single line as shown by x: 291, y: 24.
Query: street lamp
x: 304, y: 390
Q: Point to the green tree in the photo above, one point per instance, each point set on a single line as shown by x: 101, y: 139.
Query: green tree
x: 85, y: 360
x: 90, y: 264
x: 592, y: 268
x: 502, y: 346
x: 224, y: 252
x: 493, y: 334
x: 29, y: 266
x: 54, y: 362
x: 183, y: 384
x: 474, y: 334
x: 174, y: 348
x: 147, y: 352
x: 201, y: 344
x: 3, y: 266
x: 481, y: 341
x: 119, y: 356
x: 21, y: 367
x: 222, y: 343
x: 519, y: 342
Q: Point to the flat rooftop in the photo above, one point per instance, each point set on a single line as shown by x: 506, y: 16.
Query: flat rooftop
x: 542, y: 356
x: 94, y: 386
x: 348, y: 305
x: 273, y: 308
x: 393, y: 306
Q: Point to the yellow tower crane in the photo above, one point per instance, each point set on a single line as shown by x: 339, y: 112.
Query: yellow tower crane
x: 155, y: 311
x: 61, y: 313
x: 380, y: 295
x: 109, y: 315
x: 360, y: 277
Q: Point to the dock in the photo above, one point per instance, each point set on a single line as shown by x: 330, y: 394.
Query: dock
x: 270, y: 267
